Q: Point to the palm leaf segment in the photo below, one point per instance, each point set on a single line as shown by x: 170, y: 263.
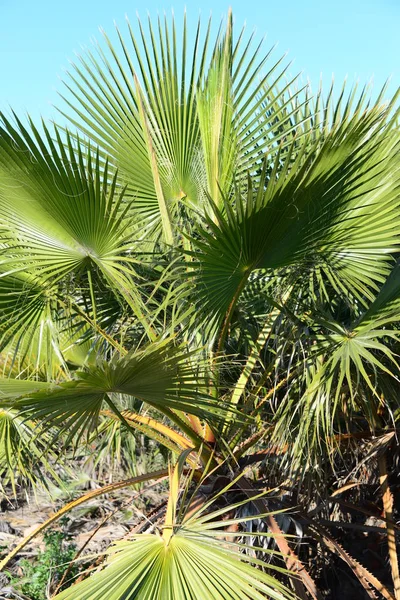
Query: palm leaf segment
x: 161, y: 375
x: 22, y: 451
x: 329, y: 209
x: 58, y: 205
x: 62, y: 219
x: 353, y: 368
x: 187, y: 562
x: 190, y: 568
x: 179, y: 126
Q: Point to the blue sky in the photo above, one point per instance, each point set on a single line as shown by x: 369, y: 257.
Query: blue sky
x: 357, y: 38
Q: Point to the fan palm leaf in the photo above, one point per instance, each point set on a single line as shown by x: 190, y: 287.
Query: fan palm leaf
x: 331, y: 208
x: 158, y: 565
x: 179, y: 123
x: 62, y: 215
x: 161, y: 375
x: 353, y: 369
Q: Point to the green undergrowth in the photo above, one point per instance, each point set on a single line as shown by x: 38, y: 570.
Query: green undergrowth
x: 44, y: 573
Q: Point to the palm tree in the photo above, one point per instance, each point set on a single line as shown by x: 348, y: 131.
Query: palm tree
x: 213, y: 243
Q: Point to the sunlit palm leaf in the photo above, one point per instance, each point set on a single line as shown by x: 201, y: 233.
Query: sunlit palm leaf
x: 386, y: 305
x: 22, y: 451
x: 30, y: 336
x: 162, y: 376
x: 354, y: 371
x: 166, y: 114
x: 13, y: 388
x: 62, y: 214
x: 331, y: 207
x: 187, y: 569
x: 190, y: 560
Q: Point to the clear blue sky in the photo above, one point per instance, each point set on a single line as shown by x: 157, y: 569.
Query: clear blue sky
x: 357, y: 38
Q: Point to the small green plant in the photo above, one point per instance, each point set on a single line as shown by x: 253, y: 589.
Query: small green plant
x: 45, y: 572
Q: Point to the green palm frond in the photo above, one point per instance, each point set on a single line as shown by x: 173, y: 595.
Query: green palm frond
x: 24, y: 456
x: 14, y: 388
x: 193, y: 558
x: 353, y: 370
x: 332, y: 207
x: 66, y: 245
x: 161, y: 375
x: 30, y: 333
x: 63, y: 215
x: 385, y: 307
x: 189, y: 568
x: 177, y: 122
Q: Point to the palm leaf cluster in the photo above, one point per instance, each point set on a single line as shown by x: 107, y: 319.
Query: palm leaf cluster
x: 207, y: 255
